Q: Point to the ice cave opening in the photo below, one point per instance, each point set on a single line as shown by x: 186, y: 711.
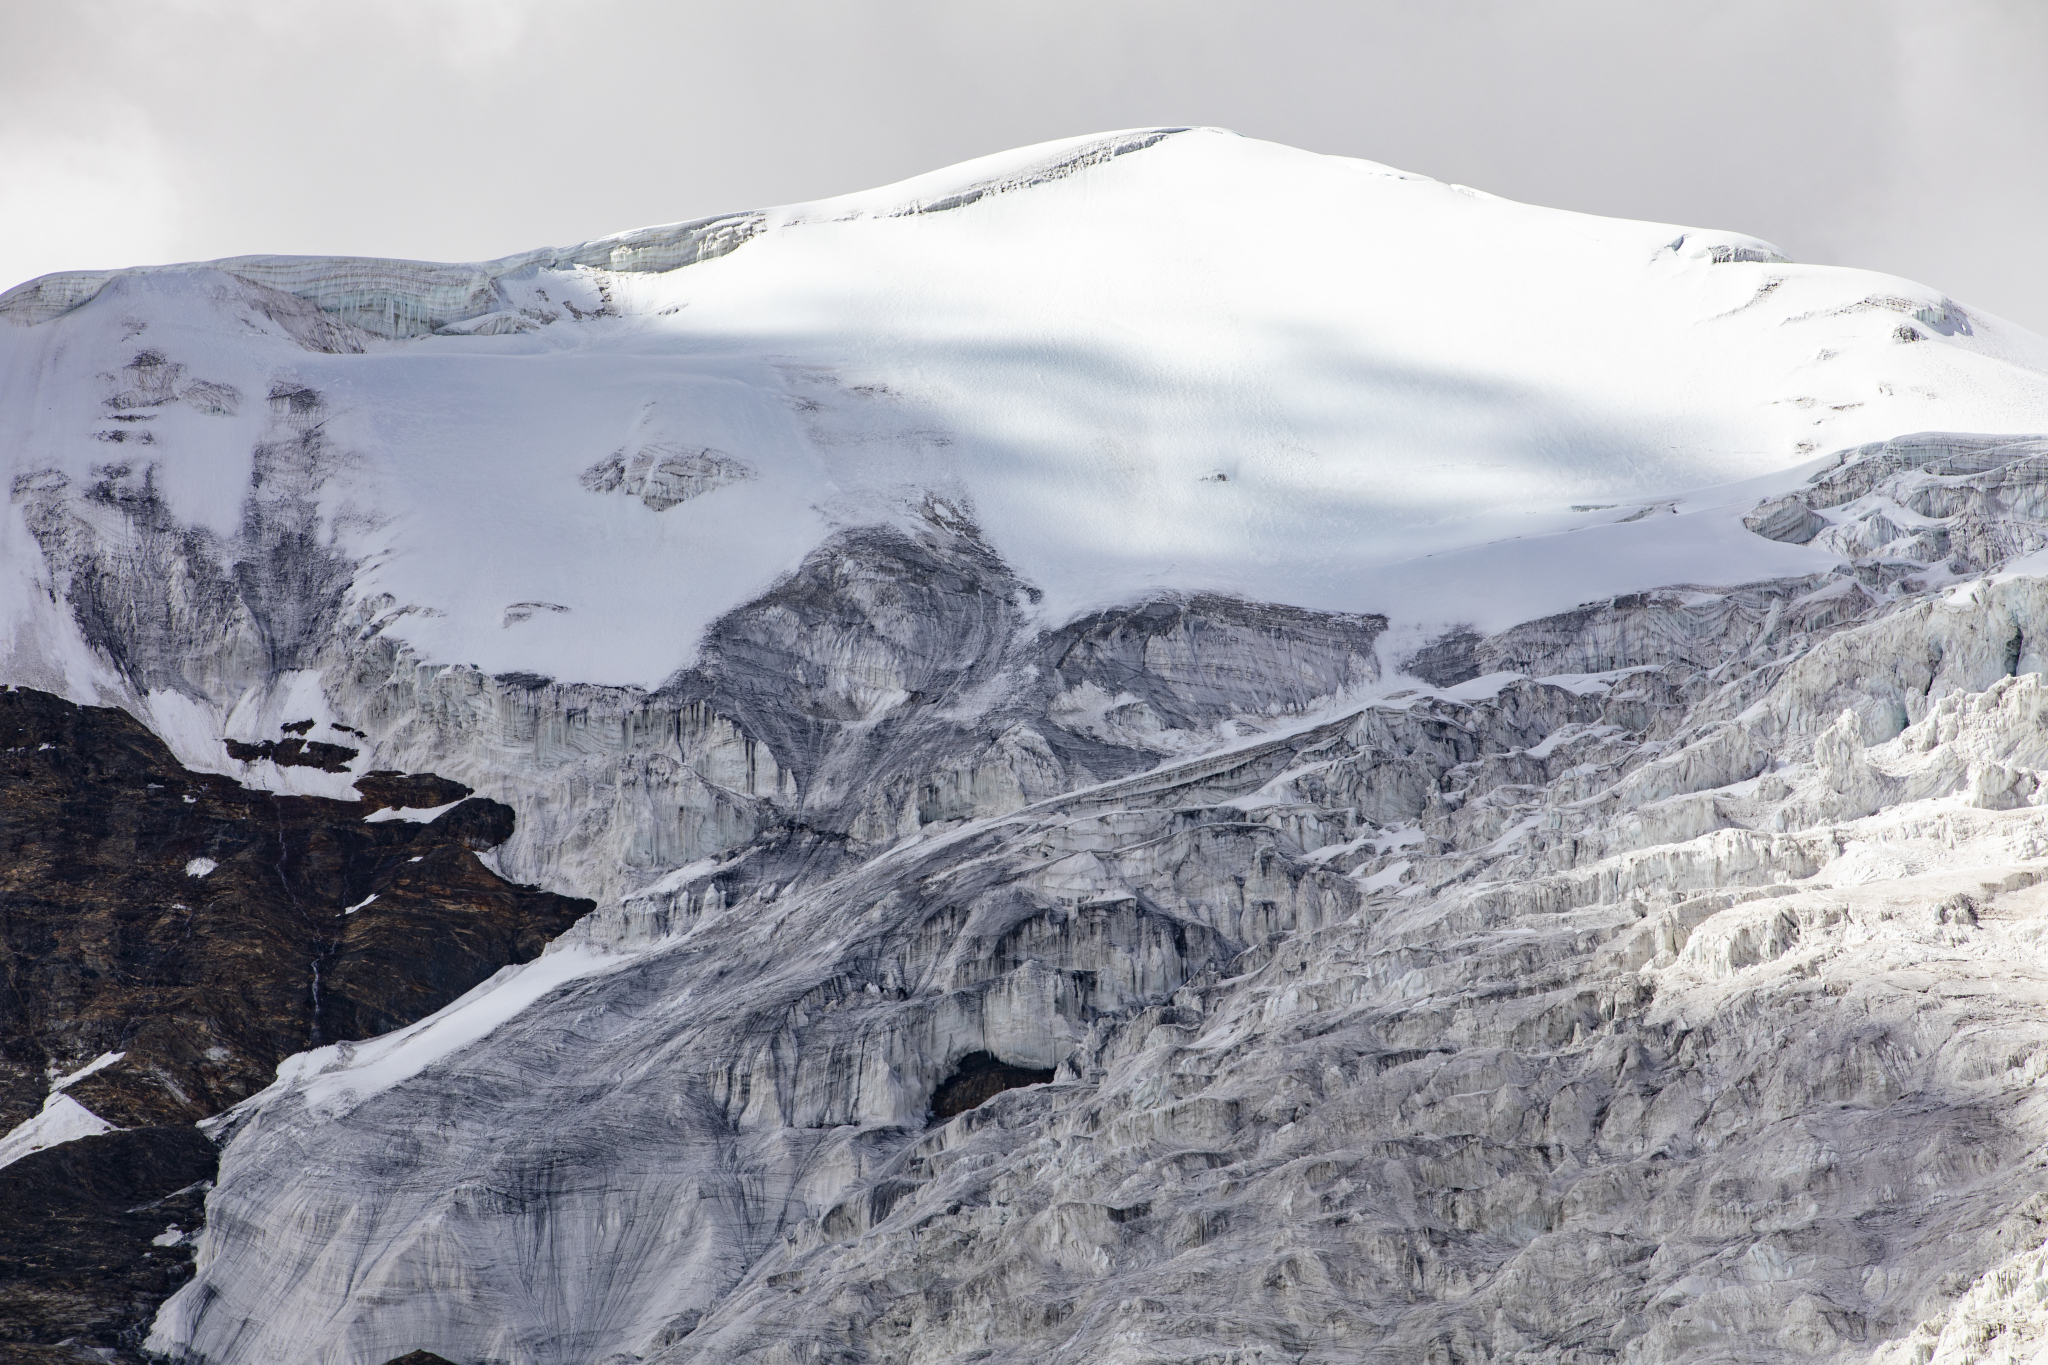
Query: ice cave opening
x: 980, y: 1077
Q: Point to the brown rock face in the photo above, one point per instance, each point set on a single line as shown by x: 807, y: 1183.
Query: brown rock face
x: 407, y: 791
x: 78, y: 1226
x: 295, y: 753
x: 205, y: 932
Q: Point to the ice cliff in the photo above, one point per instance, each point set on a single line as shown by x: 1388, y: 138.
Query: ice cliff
x: 1460, y: 781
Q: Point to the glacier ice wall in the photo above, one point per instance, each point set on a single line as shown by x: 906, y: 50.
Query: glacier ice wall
x: 1223, y: 626
x: 1665, y: 1011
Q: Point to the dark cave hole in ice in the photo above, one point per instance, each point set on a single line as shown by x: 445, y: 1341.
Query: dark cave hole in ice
x: 978, y: 1078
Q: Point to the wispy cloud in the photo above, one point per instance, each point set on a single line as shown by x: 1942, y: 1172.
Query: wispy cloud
x: 1884, y: 133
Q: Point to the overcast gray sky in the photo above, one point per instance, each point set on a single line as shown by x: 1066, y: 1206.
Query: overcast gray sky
x: 1904, y: 135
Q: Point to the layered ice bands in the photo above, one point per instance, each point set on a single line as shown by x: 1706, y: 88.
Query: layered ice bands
x: 1184, y: 750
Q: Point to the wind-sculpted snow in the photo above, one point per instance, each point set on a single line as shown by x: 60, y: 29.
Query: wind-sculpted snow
x: 412, y: 298
x: 1156, y: 361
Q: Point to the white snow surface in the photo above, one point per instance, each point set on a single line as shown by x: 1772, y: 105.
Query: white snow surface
x: 1213, y: 363
x: 418, y: 815
x: 97, y: 1064
x: 60, y: 1120
x: 333, y: 1080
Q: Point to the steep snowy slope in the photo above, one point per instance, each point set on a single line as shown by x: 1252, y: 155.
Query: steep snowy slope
x: 1205, y: 363
x: 1491, y: 754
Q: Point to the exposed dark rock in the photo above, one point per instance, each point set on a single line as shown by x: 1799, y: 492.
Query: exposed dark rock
x: 419, y: 1358
x: 478, y: 823
x: 204, y: 931
x: 295, y: 753
x: 68, y: 1352
x: 407, y: 791
x: 979, y: 1078
x: 78, y: 1227
x: 179, y: 917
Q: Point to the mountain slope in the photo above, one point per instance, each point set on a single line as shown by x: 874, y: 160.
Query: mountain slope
x: 166, y: 939
x: 1454, y: 778
x: 1377, y: 365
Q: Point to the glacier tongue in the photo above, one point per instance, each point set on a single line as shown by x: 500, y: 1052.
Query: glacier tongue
x: 1663, y: 1011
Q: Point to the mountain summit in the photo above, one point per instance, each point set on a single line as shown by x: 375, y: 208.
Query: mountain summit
x: 1165, y: 359
x: 1181, y: 750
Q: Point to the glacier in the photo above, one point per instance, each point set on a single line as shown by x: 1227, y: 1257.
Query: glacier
x: 1476, y: 770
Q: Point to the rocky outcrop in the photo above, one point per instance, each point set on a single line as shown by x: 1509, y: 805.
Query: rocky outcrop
x: 206, y: 931
x: 167, y: 937
x: 980, y: 1077
x: 94, y: 1234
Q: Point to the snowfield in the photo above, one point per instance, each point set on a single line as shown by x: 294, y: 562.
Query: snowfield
x: 1208, y: 363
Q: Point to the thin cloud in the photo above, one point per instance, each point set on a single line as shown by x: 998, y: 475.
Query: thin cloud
x: 1881, y: 133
